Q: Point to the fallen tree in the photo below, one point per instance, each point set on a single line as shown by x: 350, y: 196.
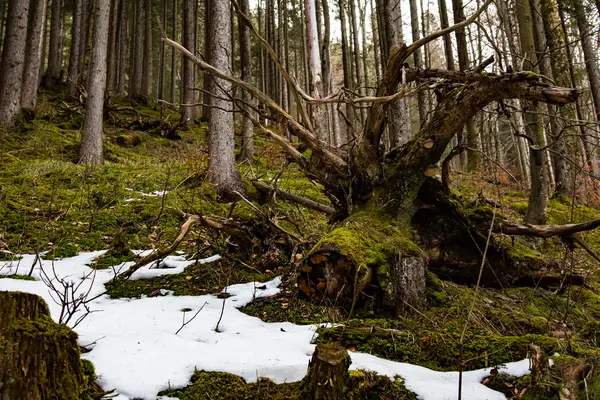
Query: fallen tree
x: 379, y: 198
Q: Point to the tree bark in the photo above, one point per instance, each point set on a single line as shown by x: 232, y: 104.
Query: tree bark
x: 348, y: 84
x: 147, y: 60
x: 90, y: 151
x: 33, y: 57
x: 398, y: 113
x: 113, y: 49
x: 73, y: 72
x: 40, y: 359
x: 418, y: 58
x: 55, y: 54
x: 247, y: 150
x: 319, y: 114
x: 122, y: 43
x: 188, y: 110
x: 587, y: 44
x: 221, y: 145
x: 13, y: 62
x: 538, y: 194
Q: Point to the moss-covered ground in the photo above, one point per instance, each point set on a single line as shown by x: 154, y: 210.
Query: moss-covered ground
x: 51, y: 204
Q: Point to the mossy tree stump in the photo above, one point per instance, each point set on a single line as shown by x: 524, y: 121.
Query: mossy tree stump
x: 39, y: 359
x: 327, y: 377
x: 371, y: 254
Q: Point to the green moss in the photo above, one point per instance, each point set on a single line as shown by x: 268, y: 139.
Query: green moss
x: 437, y: 350
x: 195, y: 280
x: 220, y: 385
x: 362, y: 385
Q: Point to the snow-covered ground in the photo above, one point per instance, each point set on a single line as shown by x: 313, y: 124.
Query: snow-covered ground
x: 136, y: 349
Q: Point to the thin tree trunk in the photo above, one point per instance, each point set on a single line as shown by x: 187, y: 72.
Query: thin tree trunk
x: 161, y: 65
x: 360, y: 73
x: 73, y: 73
x: 174, y: 54
x: 13, y: 62
x: 447, y: 40
x: 206, y: 80
x: 590, y: 54
x: 85, y: 37
x: 113, y: 49
x: 91, y: 136
x: 348, y: 84
x: 188, y: 110
x: 538, y: 195
x: 319, y: 114
x: 122, y: 43
x: 418, y: 58
x: 374, y: 32
x: 398, y: 112
x: 247, y: 150
x: 221, y: 145
x: 147, y: 60
x: 56, y: 45
x: 33, y: 56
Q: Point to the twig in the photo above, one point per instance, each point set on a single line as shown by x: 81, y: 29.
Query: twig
x: 191, y: 319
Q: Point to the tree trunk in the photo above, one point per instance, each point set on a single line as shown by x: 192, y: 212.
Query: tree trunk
x: 113, y: 49
x: 538, y: 194
x: 221, y: 145
x: 247, y: 150
x: 73, y: 72
x: 91, y: 136
x: 319, y: 114
x: 147, y: 61
x: 122, y: 43
x: 40, y: 359
x: 327, y: 376
x: 447, y: 40
x: 85, y: 38
x: 398, y: 113
x: 559, y: 61
x: 348, y: 84
x: 418, y: 58
x: 55, y: 54
x: 472, y: 160
x: 360, y: 73
x: 188, y: 110
x: 13, y: 62
x: 174, y: 55
x: 137, y: 50
x: 587, y: 44
x: 33, y: 57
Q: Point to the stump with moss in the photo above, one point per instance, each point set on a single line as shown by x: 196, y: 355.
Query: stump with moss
x: 39, y: 359
x: 327, y: 377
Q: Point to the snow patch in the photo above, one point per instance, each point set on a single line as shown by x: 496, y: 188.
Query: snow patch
x: 135, y: 349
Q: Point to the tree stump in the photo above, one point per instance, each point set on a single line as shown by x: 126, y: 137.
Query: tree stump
x: 39, y: 359
x: 327, y: 373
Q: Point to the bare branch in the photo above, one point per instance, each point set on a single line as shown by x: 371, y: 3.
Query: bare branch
x: 546, y: 231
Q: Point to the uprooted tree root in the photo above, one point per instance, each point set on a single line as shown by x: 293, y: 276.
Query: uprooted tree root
x: 371, y: 256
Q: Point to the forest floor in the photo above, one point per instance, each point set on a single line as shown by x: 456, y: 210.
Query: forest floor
x: 50, y: 205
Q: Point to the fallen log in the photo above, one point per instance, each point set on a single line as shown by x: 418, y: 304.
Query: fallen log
x: 546, y: 231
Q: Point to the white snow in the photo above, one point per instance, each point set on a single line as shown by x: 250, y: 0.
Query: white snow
x: 434, y: 385
x: 135, y: 348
